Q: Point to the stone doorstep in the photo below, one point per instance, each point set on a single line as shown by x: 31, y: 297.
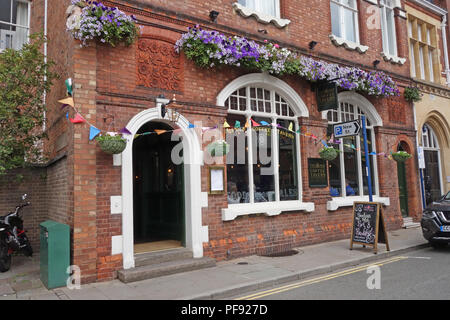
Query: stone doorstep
x: 145, y: 259
x: 165, y: 268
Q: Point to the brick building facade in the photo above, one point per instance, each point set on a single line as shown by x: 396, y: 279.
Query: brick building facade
x: 113, y: 88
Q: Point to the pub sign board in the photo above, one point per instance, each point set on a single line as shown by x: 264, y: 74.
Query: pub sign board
x: 368, y: 226
x: 317, y: 173
x: 327, y: 96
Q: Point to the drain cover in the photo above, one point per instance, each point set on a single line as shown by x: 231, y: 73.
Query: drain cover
x: 242, y: 263
x: 281, y: 254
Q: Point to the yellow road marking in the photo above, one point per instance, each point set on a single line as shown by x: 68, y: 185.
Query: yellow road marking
x: 319, y: 279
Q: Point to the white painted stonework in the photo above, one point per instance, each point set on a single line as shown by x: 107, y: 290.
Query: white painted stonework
x: 260, y: 17
x: 349, y: 45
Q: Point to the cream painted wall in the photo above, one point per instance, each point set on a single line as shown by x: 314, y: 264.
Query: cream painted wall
x: 435, y: 111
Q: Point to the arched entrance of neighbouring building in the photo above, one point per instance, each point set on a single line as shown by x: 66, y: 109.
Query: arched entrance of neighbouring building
x: 158, y: 191
x: 432, y: 174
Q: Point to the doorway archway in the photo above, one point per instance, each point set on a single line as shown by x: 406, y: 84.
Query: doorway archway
x: 158, y: 191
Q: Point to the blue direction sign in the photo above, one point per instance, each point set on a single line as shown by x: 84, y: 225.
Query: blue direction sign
x: 347, y: 129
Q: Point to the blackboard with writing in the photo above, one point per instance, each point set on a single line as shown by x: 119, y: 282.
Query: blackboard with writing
x: 368, y: 225
x: 317, y: 173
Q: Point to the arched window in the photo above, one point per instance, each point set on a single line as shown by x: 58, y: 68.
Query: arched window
x: 263, y: 163
x: 348, y: 171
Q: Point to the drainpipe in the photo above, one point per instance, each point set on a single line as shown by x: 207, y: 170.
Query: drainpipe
x: 444, y: 39
x: 44, y: 126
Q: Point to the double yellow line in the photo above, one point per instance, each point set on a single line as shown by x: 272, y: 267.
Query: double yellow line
x: 296, y: 285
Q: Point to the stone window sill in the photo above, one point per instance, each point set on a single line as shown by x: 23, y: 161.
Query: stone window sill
x: 338, y: 202
x: 349, y: 45
x: 268, y: 208
x: 393, y: 59
x: 260, y: 17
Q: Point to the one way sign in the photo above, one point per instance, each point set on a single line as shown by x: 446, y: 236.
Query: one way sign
x: 347, y: 129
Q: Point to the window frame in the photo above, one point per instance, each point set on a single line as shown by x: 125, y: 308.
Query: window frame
x: 18, y: 25
x: 358, y: 110
x: 385, y: 6
x: 343, y: 24
x: 274, y: 117
x: 259, y: 7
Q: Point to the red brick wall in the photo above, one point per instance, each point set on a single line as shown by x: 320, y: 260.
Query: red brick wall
x: 106, y: 89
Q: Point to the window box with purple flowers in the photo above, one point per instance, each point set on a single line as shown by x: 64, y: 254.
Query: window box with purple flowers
x: 93, y: 21
x: 209, y: 48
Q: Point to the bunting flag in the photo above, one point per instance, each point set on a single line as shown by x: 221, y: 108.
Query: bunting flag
x: 69, y: 86
x: 93, y: 132
x: 237, y: 124
x: 124, y: 130
x: 247, y: 124
x: 226, y: 125
x: 254, y: 123
x: 191, y: 126
x: 68, y: 101
x: 67, y: 115
x: 291, y: 126
x: 77, y: 119
x: 264, y: 123
x: 159, y: 132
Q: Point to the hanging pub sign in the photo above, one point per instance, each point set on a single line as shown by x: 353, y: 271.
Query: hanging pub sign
x: 317, y: 173
x: 327, y: 96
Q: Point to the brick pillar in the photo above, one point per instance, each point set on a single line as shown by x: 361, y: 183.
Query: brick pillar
x: 84, y: 166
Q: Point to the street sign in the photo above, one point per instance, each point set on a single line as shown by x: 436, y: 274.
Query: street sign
x: 347, y: 129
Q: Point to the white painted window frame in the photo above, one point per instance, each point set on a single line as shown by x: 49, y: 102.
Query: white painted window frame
x: 268, y: 82
x: 387, y: 7
x: 344, y: 24
x: 9, y: 23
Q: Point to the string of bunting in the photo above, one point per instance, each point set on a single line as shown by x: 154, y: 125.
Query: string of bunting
x: 94, y: 131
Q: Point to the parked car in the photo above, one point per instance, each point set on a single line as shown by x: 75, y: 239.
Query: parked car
x: 436, y: 222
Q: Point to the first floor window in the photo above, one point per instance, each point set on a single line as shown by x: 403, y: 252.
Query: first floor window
x: 262, y: 165
x: 14, y: 24
x: 348, y: 171
x: 388, y: 27
x: 269, y: 7
x: 344, y: 19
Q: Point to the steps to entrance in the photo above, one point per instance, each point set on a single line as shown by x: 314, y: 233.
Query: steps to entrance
x: 408, y: 223
x: 162, y: 263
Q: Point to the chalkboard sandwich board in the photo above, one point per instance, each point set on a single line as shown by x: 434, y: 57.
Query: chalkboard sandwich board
x: 368, y: 227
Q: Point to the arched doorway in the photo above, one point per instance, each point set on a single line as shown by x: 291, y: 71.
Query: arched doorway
x: 402, y: 181
x: 432, y: 172
x: 158, y: 191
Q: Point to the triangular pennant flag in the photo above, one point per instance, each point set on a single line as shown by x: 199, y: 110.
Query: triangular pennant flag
x: 137, y: 135
x: 69, y: 86
x: 64, y: 105
x: 226, y: 125
x: 325, y: 143
x: 264, y: 123
x: 254, y: 123
x: 124, y: 130
x: 67, y: 115
x: 93, y: 132
x: 191, y: 126
x: 237, y: 124
x: 68, y: 101
x: 78, y: 119
x: 247, y: 124
x: 159, y: 132
x: 291, y: 126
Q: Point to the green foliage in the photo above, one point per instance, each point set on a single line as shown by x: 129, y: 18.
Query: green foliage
x: 412, y: 94
x: 111, y: 144
x: 22, y: 87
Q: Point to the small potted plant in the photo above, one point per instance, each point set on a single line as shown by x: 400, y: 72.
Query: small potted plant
x: 328, y: 153
x: 218, y: 148
x: 112, y: 144
x: 401, y: 156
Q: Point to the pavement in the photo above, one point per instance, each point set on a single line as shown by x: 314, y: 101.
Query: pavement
x: 225, y: 280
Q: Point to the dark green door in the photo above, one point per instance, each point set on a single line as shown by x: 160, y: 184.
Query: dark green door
x: 158, y: 188
x: 402, y: 188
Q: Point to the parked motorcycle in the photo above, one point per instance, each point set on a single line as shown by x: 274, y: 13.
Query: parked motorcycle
x: 13, y: 237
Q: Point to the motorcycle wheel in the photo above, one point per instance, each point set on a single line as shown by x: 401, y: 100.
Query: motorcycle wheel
x: 5, y: 258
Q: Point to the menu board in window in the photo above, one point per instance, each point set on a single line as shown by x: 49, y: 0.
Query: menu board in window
x: 368, y: 225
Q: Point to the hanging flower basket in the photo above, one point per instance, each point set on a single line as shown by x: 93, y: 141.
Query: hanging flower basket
x: 329, y: 153
x: 218, y: 148
x: 111, y: 144
x: 401, y: 156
